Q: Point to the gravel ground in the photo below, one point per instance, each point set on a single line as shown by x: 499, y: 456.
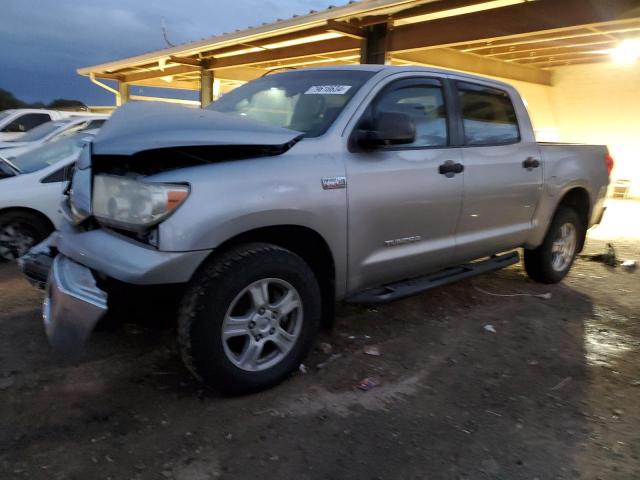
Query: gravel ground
x: 550, y: 394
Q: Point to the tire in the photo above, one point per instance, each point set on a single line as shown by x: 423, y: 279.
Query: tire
x: 19, y: 231
x: 219, y: 297
x: 550, y: 262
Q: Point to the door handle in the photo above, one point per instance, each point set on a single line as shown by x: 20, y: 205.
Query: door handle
x: 450, y: 168
x: 530, y: 163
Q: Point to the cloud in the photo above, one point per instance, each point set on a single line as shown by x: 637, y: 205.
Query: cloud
x: 44, y: 42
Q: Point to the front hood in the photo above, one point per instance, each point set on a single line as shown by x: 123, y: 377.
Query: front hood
x: 140, y: 126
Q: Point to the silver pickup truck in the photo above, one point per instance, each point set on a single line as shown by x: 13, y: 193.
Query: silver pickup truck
x: 303, y: 188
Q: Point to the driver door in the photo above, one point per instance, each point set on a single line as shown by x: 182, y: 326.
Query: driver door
x: 402, y: 211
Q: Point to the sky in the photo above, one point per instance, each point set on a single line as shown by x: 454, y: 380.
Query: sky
x: 43, y: 42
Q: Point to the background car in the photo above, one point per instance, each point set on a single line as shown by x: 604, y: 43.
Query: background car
x: 48, y: 132
x: 31, y: 186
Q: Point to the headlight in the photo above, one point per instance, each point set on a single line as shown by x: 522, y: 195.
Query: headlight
x: 134, y: 205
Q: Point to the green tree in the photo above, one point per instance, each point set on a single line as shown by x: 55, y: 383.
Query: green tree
x: 66, y: 104
x: 8, y: 101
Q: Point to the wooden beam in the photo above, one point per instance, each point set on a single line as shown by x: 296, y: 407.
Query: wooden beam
x: 286, y: 53
x: 468, y: 62
x: 533, y: 39
x: 519, y: 19
x: 346, y: 29
x: 169, y: 71
x: 374, y: 48
x: 206, y: 87
x: 123, y: 93
x: 186, y: 61
x: 557, y: 51
x: 506, y: 53
x: 108, y: 76
x: 431, y: 8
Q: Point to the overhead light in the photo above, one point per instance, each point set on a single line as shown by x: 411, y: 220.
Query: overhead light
x: 626, y: 52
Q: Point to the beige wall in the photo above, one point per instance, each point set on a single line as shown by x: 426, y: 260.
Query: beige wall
x: 598, y: 103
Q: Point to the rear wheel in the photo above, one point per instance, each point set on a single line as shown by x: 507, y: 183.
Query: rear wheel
x: 249, y: 317
x: 19, y: 231
x: 551, y: 261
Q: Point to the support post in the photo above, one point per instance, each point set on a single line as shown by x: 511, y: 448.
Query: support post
x: 374, y: 45
x: 123, y: 93
x: 206, y: 87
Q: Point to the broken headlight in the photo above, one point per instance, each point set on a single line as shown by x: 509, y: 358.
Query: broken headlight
x: 134, y: 205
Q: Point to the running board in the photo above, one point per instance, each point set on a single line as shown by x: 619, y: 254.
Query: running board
x: 407, y: 288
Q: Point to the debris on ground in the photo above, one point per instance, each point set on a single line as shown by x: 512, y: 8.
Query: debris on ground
x: 545, y: 296
x: 608, y: 258
x: 367, y: 384
x: 333, y: 357
x: 6, y: 382
x: 629, y: 265
x: 302, y: 368
x: 325, y: 347
x: 561, y: 384
x: 489, y: 328
x: 372, y: 350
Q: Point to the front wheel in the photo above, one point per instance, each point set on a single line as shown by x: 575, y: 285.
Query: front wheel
x: 19, y: 231
x: 551, y: 261
x: 249, y: 317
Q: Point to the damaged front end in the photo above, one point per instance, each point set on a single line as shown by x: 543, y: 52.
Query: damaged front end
x: 113, y: 207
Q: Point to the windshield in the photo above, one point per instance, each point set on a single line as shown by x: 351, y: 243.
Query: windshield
x: 50, y: 153
x: 39, y: 132
x: 307, y: 101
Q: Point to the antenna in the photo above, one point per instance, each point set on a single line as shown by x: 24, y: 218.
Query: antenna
x: 163, y: 26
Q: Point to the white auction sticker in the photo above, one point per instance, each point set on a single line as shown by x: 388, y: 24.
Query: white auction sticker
x: 328, y: 90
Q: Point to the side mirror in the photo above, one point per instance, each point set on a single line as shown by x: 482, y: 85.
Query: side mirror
x: 390, y: 128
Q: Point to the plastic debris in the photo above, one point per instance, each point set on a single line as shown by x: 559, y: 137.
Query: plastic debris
x: 325, y: 347
x: 372, y: 350
x: 545, y: 296
x: 629, y: 265
x: 367, y: 384
x: 302, y: 368
x: 561, y: 384
x: 489, y: 328
x: 608, y: 258
x: 333, y: 357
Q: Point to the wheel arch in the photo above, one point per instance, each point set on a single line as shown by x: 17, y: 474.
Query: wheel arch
x: 304, y: 242
x: 30, y: 211
x: 577, y: 198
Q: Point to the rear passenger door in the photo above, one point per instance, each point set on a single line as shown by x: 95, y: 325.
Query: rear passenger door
x: 402, y: 212
x: 503, y: 174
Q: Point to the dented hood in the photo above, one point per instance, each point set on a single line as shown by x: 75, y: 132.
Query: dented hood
x: 140, y: 126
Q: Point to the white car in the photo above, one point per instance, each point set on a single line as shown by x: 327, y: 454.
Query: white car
x: 14, y: 123
x: 48, y: 132
x: 31, y: 186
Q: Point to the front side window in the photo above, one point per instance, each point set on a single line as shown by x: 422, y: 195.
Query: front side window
x: 307, y: 101
x: 26, y: 122
x: 488, y: 115
x: 40, y: 132
x: 423, y: 103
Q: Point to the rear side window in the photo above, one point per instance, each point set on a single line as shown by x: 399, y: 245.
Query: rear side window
x: 488, y: 116
x: 26, y: 122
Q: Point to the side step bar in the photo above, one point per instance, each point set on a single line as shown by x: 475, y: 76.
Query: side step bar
x: 407, y: 288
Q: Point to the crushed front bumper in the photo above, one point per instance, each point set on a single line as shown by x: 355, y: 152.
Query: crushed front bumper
x: 73, y: 304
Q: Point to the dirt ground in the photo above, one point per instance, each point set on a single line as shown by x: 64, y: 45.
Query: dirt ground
x: 551, y: 394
